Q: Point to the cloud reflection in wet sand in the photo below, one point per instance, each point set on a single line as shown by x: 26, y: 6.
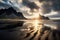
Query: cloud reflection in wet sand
x: 31, y: 30
x: 37, y: 31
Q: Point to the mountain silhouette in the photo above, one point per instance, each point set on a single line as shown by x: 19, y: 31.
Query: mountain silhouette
x: 43, y: 17
x: 10, y: 13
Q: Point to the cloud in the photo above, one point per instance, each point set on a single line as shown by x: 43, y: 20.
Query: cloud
x: 55, y: 4
x: 29, y: 4
x: 48, y: 6
x: 3, y: 5
x: 53, y: 15
x: 11, y: 3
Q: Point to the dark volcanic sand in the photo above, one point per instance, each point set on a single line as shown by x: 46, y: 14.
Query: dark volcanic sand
x: 11, y: 31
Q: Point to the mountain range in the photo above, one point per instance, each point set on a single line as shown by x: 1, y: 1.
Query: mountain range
x: 10, y: 13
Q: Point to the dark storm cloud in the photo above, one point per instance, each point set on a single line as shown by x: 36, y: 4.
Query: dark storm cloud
x: 46, y: 8
x: 44, y: 0
x: 55, y: 4
x: 4, y: 5
x: 29, y: 4
x: 5, y: 0
x: 8, y: 3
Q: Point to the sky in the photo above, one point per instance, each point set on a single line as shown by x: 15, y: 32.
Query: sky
x: 29, y: 8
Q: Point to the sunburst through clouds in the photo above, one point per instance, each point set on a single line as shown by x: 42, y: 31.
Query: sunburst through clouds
x: 34, y: 18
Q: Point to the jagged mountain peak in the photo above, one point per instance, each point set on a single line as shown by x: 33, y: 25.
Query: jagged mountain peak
x: 10, y: 11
